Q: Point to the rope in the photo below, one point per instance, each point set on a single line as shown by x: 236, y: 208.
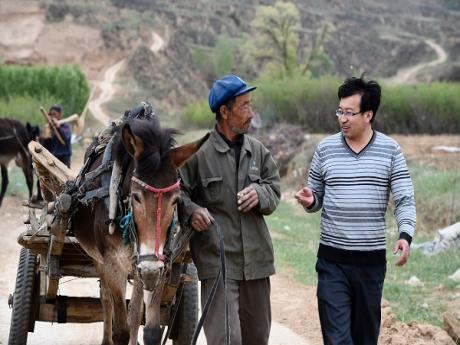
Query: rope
x: 20, y: 142
x: 222, y: 272
x: 7, y: 137
x: 125, y: 223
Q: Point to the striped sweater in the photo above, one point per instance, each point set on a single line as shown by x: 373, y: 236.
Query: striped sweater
x: 353, y: 191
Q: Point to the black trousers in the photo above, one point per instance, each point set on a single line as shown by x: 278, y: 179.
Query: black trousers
x: 349, y: 299
x: 65, y: 160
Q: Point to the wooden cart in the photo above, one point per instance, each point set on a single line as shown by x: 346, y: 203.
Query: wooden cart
x: 50, y: 253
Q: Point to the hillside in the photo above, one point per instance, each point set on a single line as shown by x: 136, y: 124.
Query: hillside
x: 367, y: 35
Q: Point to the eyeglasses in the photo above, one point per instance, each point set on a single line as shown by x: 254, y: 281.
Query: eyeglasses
x: 339, y: 112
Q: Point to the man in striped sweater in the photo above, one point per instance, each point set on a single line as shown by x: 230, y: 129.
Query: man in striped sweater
x: 351, y: 176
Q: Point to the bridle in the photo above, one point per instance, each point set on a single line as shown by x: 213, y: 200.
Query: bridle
x: 159, y: 195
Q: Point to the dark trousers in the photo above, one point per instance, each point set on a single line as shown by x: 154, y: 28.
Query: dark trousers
x: 349, y: 299
x: 65, y: 160
x: 249, y: 312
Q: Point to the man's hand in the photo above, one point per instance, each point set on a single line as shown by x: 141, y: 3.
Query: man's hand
x: 403, y: 246
x: 46, y: 133
x: 201, y: 219
x: 247, y: 198
x: 305, y: 197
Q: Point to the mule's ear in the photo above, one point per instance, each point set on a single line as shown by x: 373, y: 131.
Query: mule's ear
x: 28, y: 127
x: 134, y: 146
x: 179, y: 155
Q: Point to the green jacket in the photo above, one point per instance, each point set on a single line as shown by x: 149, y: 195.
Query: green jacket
x: 209, y: 180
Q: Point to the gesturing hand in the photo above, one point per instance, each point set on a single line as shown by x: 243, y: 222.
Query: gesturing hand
x: 247, y: 198
x: 201, y: 219
x: 305, y: 197
x: 403, y: 246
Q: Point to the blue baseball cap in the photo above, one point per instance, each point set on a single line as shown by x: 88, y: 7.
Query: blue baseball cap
x: 224, y: 89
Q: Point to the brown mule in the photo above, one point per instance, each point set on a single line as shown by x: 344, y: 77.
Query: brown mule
x: 150, y: 187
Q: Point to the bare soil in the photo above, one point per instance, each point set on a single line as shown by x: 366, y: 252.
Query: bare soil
x: 294, y: 305
x: 419, y: 148
x: 26, y: 37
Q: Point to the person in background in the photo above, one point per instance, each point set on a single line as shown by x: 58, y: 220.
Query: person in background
x: 50, y: 141
x: 233, y: 182
x: 351, y: 176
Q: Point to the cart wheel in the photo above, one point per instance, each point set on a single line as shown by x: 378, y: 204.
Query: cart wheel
x: 21, y: 321
x: 187, y: 314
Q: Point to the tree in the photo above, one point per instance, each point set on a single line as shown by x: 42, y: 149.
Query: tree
x: 275, y: 37
x: 275, y: 40
x: 224, y: 55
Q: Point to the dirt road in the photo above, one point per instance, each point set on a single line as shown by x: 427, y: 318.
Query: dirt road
x: 294, y: 307
x: 285, y: 303
x: 105, y: 88
x: 407, y: 75
x: 295, y: 318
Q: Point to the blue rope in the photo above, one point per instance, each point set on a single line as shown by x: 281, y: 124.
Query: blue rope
x: 125, y: 222
x: 172, y: 226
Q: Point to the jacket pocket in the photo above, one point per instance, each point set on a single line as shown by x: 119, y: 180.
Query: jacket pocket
x: 212, y: 189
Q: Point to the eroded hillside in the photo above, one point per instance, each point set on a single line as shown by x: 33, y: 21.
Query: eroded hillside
x: 380, y: 38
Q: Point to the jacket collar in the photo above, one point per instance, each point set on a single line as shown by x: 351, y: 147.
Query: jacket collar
x: 221, y: 146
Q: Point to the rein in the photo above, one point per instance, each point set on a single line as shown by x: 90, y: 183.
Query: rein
x: 15, y: 136
x: 222, y: 274
x: 159, y: 194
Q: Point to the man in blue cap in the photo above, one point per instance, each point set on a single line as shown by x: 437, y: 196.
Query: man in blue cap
x: 232, y: 181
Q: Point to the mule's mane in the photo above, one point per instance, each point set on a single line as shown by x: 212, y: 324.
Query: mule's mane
x: 157, y: 142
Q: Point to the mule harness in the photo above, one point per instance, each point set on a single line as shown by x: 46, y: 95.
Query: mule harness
x: 159, y: 195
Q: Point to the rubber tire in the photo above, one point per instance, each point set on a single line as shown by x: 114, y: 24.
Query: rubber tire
x: 187, y: 314
x: 22, y: 299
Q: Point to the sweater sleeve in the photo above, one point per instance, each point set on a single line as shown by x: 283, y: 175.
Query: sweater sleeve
x: 315, y: 182
x: 403, y: 196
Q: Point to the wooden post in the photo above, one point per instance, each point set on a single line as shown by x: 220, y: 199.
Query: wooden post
x: 53, y: 127
x: 71, y: 309
x: 52, y: 173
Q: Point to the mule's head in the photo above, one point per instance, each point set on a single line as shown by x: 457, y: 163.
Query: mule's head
x: 154, y: 189
x: 33, y: 132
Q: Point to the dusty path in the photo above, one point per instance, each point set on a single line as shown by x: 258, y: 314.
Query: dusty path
x: 294, y: 307
x: 288, y: 298
x: 106, y: 88
x: 106, y: 93
x: 407, y: 75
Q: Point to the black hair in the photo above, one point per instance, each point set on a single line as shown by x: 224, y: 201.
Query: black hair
x: 229, y: 104
x: 370, y: 92
x: 56, y: 107
x: 157, y: 143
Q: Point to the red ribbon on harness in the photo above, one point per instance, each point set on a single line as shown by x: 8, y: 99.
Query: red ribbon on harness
x: 159, y: 194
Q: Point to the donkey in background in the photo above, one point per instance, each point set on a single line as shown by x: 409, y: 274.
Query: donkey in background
x: 14, y: 137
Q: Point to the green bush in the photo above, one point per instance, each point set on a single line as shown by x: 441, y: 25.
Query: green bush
x: 308, y: 102
x: 23, y: 89
x: 224, y: 56
x: 311, y: 102
x: 197, y: 115
x: 25, y: 108
x: 424, y: 108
